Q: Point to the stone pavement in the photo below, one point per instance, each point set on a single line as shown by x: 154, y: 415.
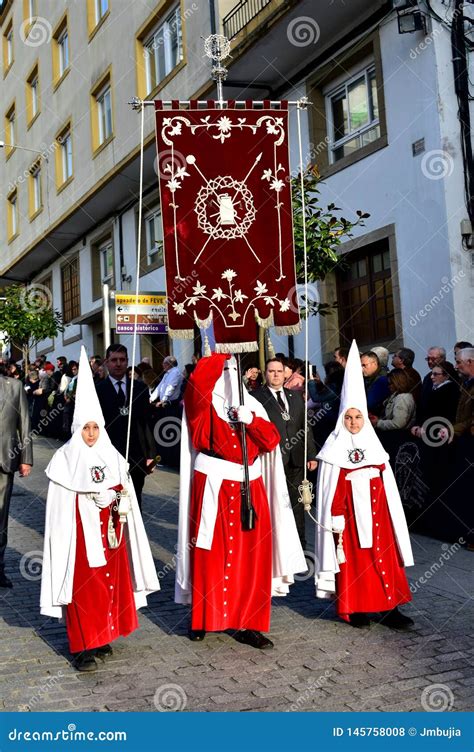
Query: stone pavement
x: 318, y: 663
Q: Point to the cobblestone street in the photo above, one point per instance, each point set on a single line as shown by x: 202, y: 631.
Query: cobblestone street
x: 318, y: 663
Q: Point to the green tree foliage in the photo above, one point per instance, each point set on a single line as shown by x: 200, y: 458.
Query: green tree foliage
x: 27, y: 316
x: 324, y: 233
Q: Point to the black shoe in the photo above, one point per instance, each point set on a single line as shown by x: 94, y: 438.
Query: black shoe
x: 254, y: 639
x: 85, y: 661
x: 359, y: 621
x: 5, y: 581
x: 196, y: 635
x: 394, y: 619
x: 105, y: 651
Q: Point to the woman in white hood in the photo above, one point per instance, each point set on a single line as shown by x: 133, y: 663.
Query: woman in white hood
x: 362, y: 541
x: 97, y: 564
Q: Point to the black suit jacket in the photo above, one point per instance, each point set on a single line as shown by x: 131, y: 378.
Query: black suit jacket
x: 291, y: 431
x: 142, y: 444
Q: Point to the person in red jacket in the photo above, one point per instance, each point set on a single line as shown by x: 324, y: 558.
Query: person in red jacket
x: 227, y: 572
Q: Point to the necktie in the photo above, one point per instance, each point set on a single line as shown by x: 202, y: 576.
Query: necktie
x: 120, y: 394
x: 280, y: 401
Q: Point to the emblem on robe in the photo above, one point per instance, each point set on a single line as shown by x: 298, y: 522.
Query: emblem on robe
x: 97, y: 474
x: 356, y: 456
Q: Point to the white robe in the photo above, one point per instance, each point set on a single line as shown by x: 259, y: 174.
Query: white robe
x: 59, y: 554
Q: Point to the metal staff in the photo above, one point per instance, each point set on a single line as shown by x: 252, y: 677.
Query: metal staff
x: 217, y: 48
x: 247, y: 512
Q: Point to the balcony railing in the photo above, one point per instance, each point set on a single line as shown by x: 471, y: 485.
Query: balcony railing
x: 241, y: 15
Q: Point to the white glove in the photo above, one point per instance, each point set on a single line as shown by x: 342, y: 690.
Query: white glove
x: 338, y: 523
x: 244, y: 414
x: 103, y: 499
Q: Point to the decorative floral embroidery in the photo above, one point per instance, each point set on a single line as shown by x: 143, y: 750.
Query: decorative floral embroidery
x: 234, y: 296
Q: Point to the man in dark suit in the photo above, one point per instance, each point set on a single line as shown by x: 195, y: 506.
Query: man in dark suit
x: 286, y: 411
x: 16, y: 452
x: 114, y: 398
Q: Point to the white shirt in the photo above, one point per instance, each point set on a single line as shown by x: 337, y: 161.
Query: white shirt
x: 169, y: 388
x: 116, y: 381
x: 282, y: 394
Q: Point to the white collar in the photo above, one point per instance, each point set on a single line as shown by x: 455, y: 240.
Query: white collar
x: 114, y: 381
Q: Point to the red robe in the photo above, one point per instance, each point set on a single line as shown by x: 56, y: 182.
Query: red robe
x: 103, y: 605
x: 372, y: 579
x: 231, y: 582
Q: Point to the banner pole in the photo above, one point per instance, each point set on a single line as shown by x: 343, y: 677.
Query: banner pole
x: 217, y: 48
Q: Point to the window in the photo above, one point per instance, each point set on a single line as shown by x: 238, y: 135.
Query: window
x: 365, y: 295
x: 63, y: 155
x: 35, y: 198
x: 154, y: 239
x: 97, y: 12
x: 32, y: 96
x: 13, y: 225
x: 63, y: 44
x: 353, y: 115
x: 101, y: 8
x: 106, y: 253
x: 104, y: 114
x: 70, y: 291
x: 60, y: 51
x: 161, y: 49
x: 29, y: 15
x: 8, y: 48
x: 10, y: 139
x: 104, y: 111
x: 102, y: 265
x: 101, y: 111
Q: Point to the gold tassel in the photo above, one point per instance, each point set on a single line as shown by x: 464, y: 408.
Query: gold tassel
x: 270, y: 348
x: 341, y: 558
x: 207, y: 347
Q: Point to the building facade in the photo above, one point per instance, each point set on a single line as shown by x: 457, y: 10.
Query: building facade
x: 382, y: 127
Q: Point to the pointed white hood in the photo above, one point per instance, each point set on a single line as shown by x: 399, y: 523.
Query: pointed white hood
x: 342, y: 448
x: 76, y: 466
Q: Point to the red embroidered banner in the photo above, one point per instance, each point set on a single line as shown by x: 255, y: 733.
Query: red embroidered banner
x: 227, y: 222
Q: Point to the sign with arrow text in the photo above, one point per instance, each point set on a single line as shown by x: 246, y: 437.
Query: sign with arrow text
x: 145, y: 313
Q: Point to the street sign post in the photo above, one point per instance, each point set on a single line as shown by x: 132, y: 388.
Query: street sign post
x: 145, y: 314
